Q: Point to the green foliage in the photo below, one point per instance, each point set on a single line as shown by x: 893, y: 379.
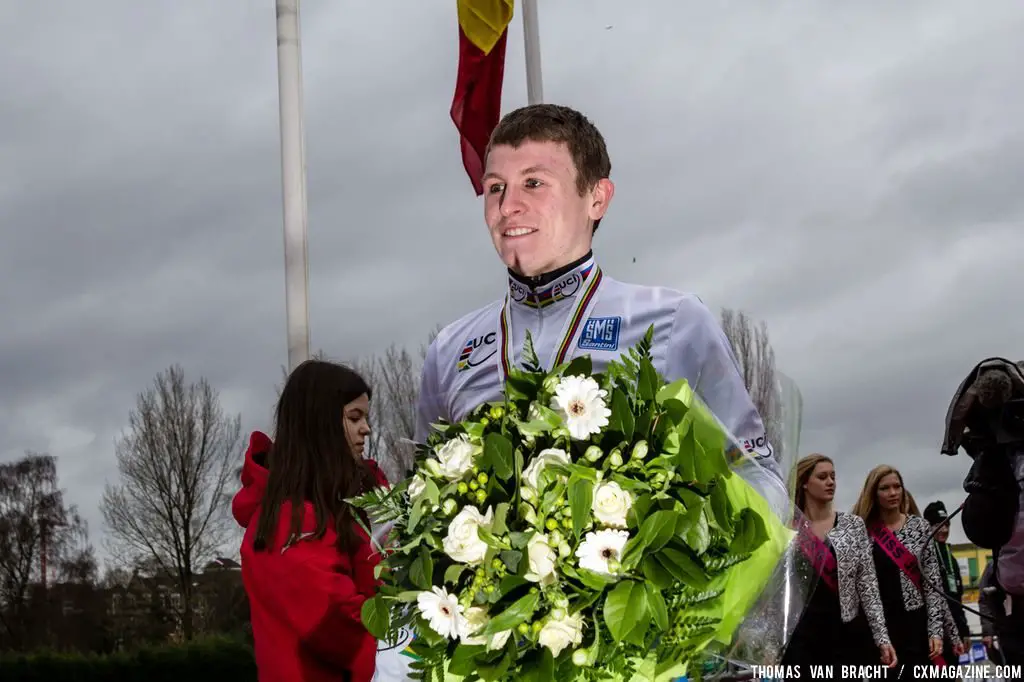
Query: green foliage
x: 203, y: 660
x: 660, y: 605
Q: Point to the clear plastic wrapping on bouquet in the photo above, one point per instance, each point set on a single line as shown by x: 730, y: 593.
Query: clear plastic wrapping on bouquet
x: 764, y: 459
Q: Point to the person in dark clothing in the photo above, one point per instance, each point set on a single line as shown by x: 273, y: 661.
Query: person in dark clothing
x: 952, y: 582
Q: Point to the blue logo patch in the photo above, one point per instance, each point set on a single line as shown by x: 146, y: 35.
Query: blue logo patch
x: 600, y: 333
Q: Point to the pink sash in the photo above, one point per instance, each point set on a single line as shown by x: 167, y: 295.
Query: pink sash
x: 895, y: 550
x: 904, y: 560
x: 817, y: 552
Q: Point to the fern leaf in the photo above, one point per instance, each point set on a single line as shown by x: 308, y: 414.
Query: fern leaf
x: 531, y: 363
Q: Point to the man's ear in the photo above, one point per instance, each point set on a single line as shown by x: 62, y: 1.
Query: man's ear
x: 601, y: 198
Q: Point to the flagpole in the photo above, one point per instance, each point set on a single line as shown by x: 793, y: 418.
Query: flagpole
x: 293, y: 181
x: 531, y: 41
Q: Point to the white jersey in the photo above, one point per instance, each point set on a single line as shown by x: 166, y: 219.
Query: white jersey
x: 463, y: 369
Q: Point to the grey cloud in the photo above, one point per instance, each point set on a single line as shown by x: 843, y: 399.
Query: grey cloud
x: 845, y: 173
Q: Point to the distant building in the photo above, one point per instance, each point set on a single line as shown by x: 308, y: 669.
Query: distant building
x: 972, y: 560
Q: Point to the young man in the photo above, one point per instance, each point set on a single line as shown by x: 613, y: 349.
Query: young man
x: 546, y: 190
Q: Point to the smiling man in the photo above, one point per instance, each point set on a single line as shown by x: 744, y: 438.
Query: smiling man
x: 546, y: 191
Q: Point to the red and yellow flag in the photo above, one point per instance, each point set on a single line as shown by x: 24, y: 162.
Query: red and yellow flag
x: 476, y: 108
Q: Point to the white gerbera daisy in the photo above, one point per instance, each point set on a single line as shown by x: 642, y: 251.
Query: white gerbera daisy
x: 601, y: 547
x: 443, y: 612
x: 581, y: 402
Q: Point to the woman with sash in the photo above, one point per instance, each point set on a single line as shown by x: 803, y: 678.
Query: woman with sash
x: 906, y: 565
x: 844, y: 613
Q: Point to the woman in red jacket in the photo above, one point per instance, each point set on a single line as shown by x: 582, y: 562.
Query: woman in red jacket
x: 307, y: 565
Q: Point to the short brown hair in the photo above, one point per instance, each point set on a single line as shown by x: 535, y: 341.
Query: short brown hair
x: 561, y: 124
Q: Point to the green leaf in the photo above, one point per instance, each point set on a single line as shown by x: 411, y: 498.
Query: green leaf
x: 644, y: 422
x: 641, y: 506
x: 533, y: 428
x: 657, y: 607
x: 621, y: 420
x: 579, y: 366
x: 491, y: 539
x: 511, y: 559
x: 463, y: 662
x: 541, y: 671
x: 685, y: 464
x: 495, y: 669
x: 655, y: 532
x: 647, y: 382
x: 657, y: 574
x: 579, y: 471
x: 697, y: 534
x: 519, y: 612
x: 750, y: 533
x: 511, y: 582
x: 519, y: 539
x: 498, y: 527
x: 520, y: 387
x: 590, y: 579
x: 498, y: 455
x: 581, y: 499
x: 421, y: 573
x: 721, y: 507
x: 530, y: 360
x: 621, y: 609
x: 675, y: 411
x: 454, y: 572
x: 683, y: 567
x: 376, y: 617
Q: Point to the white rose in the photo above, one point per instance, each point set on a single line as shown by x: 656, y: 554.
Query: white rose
x: 417, y: 486
x: 611, y: 504
x: 542, y: 560
x: 463, y: 543
x: 476, y: 620
x: 531, y: 476
x: 456, y: 458
x: 556, y: 635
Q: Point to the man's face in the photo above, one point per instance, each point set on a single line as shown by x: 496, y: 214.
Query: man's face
x: 942, y: 534
x: 537, y: 219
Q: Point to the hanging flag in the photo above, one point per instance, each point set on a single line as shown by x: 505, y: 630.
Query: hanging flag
x: 476, y: 108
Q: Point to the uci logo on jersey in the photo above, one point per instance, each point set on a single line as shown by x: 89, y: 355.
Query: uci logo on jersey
x: 474, y: 352
x: 600, y: 333
x: 759, y: 447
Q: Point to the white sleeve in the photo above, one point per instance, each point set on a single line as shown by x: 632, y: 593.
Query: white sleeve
x: 429, y: 403
x: 701, y: 353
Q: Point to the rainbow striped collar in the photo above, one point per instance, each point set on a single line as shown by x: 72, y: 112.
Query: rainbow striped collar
x: 567, y: 286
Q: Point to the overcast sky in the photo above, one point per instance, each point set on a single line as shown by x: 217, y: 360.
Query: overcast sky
x: 849, y: 173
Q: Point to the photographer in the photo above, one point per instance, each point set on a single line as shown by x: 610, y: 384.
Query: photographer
x: 986, y: 418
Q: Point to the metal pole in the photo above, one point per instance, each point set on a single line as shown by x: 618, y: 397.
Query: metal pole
x: 531, y: 41
x: 293, y: 181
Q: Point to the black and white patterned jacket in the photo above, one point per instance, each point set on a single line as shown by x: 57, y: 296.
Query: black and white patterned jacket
x: 858, y: 584
x: 916, y: 537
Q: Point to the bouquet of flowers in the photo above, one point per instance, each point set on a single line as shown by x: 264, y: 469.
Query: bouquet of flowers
x: 588, y: 527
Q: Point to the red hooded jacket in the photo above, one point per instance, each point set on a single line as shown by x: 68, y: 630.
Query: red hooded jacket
x: 306, y: 599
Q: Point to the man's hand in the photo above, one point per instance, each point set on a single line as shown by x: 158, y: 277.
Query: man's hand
x: 987, y: 641
x: 888, y: 655
x: 959, y: 647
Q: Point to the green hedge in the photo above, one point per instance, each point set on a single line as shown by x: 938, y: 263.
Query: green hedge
x: 207, y: 660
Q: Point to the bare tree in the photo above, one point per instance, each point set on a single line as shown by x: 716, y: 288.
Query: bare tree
x: 171, y: 504
x: 42, y: 541
x: 754, y: 352
x: 394, y: 377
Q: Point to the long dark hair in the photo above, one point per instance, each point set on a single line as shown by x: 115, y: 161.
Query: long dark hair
x: 310, y: 460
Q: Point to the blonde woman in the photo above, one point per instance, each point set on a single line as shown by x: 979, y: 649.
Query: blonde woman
x: 845, y: 604
x: 906, y: 566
